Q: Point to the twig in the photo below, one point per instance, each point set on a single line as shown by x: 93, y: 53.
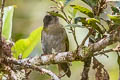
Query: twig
x: 101, y: 5
x: 73, y: 30
x: 47, y: 72
x: 1, y: 24
x: 1, y: 20
x: 67, y: 20
x: 55, y: 1
x: 74, y: 35
x: 103, y: 52
x: 110, y: 39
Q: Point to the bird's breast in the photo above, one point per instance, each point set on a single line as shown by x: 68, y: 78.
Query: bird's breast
x: 53, y: 40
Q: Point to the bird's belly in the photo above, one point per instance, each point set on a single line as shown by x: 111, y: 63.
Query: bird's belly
x: 53, y: 43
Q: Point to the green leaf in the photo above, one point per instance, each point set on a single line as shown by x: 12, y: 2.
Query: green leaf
x: 57, y: 14
x: 83, y: 10
x: 7, y: 22
x: 80, y: 19
x: 91, y: 3
x: 115, y: 18
x: 92, y: 38
x: 115, y: 9
x: 94, y: 23
x: 87, y: 2
x: 92, y: 20
x: 74, y: 12
x: 25, y: 46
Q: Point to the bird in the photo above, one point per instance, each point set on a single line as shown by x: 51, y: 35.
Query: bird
x: 54, y: 37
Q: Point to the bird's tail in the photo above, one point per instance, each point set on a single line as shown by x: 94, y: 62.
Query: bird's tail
x: 65, y: 67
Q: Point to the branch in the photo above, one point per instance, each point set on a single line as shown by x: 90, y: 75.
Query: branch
x: 50, y: 74
x: 1, y: 24
x: 1, y: 19
x: 103, y: 43
x: 48, y: 59
x: 33, y: 67
x: 86, y: 69
x: 103, y: 52
x: 78, y: 55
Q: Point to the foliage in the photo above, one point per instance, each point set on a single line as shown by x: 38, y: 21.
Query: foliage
x: 7, y: 22
x: 22, y: 46
x: 25, y: 46
x: 56, y: 14
x: 83, y: 10
x: 115, y: 18
x: 91, y: 3
x: 115, y: 10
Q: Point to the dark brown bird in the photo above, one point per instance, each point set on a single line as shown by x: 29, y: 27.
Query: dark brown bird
x: 54, y: 37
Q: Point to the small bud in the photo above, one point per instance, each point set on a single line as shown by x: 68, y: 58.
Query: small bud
x: 61, y: 5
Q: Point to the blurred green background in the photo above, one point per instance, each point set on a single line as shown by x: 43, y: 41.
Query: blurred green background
x: 29, y: 14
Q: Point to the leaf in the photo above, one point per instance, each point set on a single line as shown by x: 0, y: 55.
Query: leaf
x: 83, y: 10
x: 94, y: 24
x: 57, y: 14
x: 7, y: 22
x: 25, y: 46
x: 115, y: 9
x: 93, y: 20
x: 92, y: 39
x: 80, y: 19
x: 91, y: 3
x: 72, y: 13
x: 87, y: 2
x: 114, y: 18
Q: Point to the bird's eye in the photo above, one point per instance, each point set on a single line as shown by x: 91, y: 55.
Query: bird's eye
x: 50, y: 18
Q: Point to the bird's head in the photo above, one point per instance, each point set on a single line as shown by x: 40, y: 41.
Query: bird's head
x: 50, y: 19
